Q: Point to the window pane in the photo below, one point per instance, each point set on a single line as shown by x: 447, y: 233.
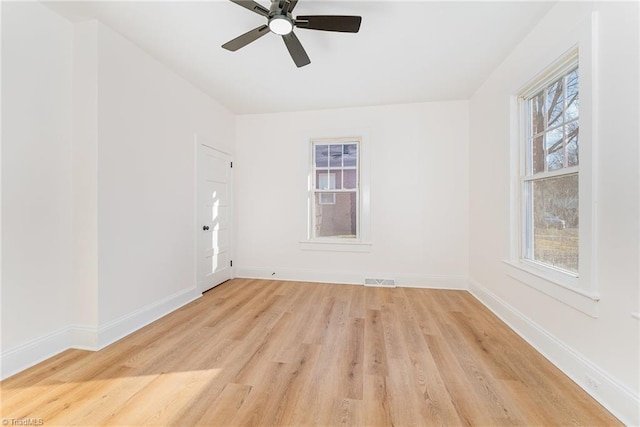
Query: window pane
x: 555, y: 104
x: 555, y: 149
x: 538, y: 154
x: 336, y: 156
x: 572, y: 96
x: 338, y: 179
x: 337, y: 219
x: 555, y: 221
x: 573, y: 158
x: 350, y: 155
x: 325, y: 181
x: 550, y: 219
x: 350, y: 179
x: 331, y: 180
x: 537, y: 114
x: 322, y: 156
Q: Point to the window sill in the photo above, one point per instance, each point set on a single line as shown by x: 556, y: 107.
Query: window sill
x: 581, y: 300
x: 335, y: 246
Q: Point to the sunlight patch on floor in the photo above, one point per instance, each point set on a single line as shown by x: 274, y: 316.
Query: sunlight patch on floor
x: 142, y: 399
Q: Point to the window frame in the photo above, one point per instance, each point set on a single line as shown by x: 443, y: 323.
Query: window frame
x: 363, y: 241
x: 579, y: 292
x: 333, y: 191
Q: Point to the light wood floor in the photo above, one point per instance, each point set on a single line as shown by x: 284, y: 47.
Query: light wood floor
x: 253, y: 352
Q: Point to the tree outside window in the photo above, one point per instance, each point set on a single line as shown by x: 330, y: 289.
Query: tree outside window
x: 550, y: 182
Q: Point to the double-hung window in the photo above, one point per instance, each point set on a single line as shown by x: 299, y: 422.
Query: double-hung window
x: 550, y: 178
x: 554, y: 193
x: 335, y: 212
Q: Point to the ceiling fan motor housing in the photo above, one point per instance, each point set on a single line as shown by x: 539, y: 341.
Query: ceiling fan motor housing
x: 281, y: 21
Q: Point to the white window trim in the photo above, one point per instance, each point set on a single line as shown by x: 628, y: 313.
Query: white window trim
x: 363, y: 243
x: 579, y: 292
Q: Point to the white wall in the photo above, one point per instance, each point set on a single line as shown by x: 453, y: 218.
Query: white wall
x: 36, y: 176
x: 419, y: 194
x: 606, y: 348
x: 98, y: 184
x: 85, y: 184
x: 147, y: 118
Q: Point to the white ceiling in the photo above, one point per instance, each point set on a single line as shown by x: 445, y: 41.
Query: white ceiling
x: 406, y: 51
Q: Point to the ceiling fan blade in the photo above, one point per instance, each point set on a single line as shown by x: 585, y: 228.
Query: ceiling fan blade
x: 246, y: 38
x: 293, y: 5
x: 296, y: 50
x: 342, y: 24
x: 286, y: 6
x: 252, y: 6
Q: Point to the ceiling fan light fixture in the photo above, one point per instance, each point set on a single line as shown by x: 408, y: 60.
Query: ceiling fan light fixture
x: 280, y: 25
x: 281, y: 22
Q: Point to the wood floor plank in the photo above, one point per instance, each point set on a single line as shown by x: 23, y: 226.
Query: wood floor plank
x: 377, y: 401
x: 268, y: 396
x: 96, y: 402
x: 429, y: 389
x: 273, y: 353
x: 263, y: 353
x: 375, y: 354
x: 346, y: 412
x: 357, y: 306
x: 226, y: 406
x: 479, y: 378
x: 351, y: 360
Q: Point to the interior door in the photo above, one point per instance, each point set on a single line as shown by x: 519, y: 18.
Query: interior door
x: 214, y: 213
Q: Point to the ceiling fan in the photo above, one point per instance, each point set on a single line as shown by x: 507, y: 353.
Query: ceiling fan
x: 281, y: 22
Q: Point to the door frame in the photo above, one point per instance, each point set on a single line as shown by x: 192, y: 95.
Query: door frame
x: 200, y: 139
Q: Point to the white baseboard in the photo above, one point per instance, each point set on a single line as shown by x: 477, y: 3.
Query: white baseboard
x: 35, y: 351
x: 84, y: 337
x: 616, y: 397
x: 349, y: 278
x: 121, y: 327
x: 434, y: 282
x: 91, y: 338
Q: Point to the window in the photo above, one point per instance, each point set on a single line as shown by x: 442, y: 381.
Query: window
x: 335, y: 189
x: 550, y: 178
x: 554, y: 189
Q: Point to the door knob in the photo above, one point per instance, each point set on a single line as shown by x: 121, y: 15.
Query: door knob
x: 205, y: 228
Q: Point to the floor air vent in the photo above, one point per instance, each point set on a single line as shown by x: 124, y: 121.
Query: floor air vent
x: 383, y: 283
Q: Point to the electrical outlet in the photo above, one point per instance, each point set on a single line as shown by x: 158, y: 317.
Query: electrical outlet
x: 592, y: 382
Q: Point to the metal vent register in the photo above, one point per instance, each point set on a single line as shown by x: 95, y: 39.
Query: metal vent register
x: 385, y: 283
